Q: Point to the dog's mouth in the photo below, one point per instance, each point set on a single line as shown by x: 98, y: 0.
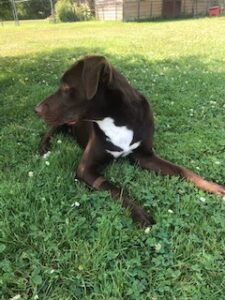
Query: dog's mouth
x: 72, y: 122
x: 53, y: 119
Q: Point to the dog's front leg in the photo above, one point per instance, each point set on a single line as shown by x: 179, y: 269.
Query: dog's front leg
x: 152, y: 162
x: 89, y: 172
x: 45, y: 141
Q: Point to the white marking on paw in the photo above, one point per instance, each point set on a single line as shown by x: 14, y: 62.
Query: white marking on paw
x: 119, y: 136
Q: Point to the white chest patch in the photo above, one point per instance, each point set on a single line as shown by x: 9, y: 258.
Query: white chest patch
x: 119, y: 136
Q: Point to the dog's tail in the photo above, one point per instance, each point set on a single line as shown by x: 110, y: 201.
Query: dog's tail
x: 165, y: 167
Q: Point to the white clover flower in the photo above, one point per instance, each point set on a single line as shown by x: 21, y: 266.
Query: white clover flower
x: 202, y: 199
x: 158, y: 247
x: 75, y: 204
x: 217, y: 162
x: 46, y: 155
x: 170, y: 211
x: 197, y: 168
x: 212, y: 102
x: 16, y: 297
x: 147, y: 230
x: 59, y: 142
x: 30, y: 174
x: 47, y: 163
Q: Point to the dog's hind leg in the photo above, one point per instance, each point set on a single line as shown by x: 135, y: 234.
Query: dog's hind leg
x: 155, y: 163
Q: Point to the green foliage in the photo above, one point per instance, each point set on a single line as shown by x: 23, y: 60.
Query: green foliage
x: 5, y: 10
x: 34, y: 9
x: 52, y: 248
x: 82, y: 12
x: 65, y: 11
x: 68, y: 11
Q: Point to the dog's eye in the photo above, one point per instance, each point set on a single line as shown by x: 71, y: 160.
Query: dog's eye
x: 69, y: 92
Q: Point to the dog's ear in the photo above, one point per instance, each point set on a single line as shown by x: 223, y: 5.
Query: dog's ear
x: 95, y: 68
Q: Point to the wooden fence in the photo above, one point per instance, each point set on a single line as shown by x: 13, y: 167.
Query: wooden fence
x: 149, y: 9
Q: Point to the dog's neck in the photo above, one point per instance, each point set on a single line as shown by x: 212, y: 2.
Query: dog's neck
x: 112, y: 103
x: 117, y: 120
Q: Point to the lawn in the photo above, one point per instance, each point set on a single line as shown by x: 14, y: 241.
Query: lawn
x: 59, y: 240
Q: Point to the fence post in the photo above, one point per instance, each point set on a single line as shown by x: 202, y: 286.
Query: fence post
x: 193, y: 9
x: 207, y: 6
x: 123, y: 7
x: 15, y: 16
x: 150, y: 8
x: 52, y: 11
x: 183, y: 8
x: 138, y: 7
x: 116, y: 9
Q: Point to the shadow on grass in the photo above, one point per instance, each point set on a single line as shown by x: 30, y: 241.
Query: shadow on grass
x: 184, y: 92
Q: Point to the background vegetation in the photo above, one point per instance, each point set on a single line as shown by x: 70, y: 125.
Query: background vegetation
x: 66, y: 10
x: 58, y: 240
x: 32, y: 9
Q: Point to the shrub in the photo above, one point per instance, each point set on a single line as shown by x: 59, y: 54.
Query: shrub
x: 83, y: 12
x: 64, y: 10
x: 67, y: 11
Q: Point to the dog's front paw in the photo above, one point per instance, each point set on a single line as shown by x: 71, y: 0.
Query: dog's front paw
x: 140, y: 217
x: 215, y: 188
x: 220, y: 190
x: 44, y: 148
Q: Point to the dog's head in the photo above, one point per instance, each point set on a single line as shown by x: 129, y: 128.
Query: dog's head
x: 78, y: 86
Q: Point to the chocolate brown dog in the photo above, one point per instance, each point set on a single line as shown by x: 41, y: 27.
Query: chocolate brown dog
x: 109, y: 119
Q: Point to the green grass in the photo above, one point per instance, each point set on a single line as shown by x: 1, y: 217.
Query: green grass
x: 52, y: 249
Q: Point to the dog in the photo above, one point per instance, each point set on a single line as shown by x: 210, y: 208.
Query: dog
x: 109, y: 119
